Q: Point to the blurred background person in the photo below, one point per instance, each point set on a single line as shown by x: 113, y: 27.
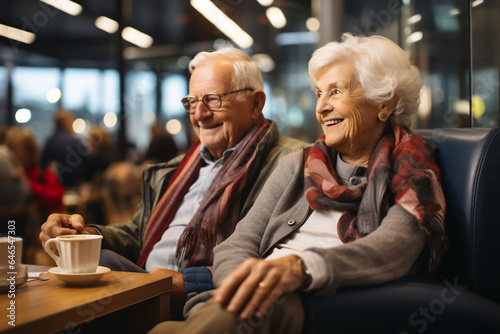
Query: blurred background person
x: 67, y: 151
x: 99, y: 173
x: 43, y: 182
x: 15, y: 195
x: 162, y: 146
x: 28, y: 192
x: 13, y: 191
x: 3, y: 133
x: 102, y: 153
x: 44, y: 191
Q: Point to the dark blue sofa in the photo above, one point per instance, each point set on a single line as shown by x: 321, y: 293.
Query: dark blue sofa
x: 465, y: 298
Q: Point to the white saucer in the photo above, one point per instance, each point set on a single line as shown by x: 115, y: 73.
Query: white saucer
x: 78, y: 279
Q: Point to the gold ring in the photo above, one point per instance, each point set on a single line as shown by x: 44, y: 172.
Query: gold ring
x: 264, y: 285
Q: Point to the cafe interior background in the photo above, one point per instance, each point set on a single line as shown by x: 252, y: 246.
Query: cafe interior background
x: 122, y: 65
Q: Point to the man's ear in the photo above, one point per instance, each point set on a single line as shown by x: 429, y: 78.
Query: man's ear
x: 258, y: 101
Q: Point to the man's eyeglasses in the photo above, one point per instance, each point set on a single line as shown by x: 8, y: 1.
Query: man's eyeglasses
x: 211, y: 101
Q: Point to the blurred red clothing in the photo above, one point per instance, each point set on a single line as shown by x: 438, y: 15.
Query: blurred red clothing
x: 46, y: 188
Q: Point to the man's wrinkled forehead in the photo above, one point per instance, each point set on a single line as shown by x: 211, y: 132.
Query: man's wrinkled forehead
x: 216, y: 73
x: 219, y: 62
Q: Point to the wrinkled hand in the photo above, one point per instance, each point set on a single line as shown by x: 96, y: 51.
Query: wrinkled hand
x: 178, y: 293
x: 257, y: 284
x: 62, y: 224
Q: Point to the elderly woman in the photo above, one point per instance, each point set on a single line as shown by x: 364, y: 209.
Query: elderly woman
x: 363, y: 205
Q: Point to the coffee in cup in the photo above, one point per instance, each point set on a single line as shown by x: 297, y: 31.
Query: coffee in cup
x: 78, y: 253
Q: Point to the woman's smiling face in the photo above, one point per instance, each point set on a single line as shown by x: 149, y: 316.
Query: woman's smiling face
x: 349, y: 121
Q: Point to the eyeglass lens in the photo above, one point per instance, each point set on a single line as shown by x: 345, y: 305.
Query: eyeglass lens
x: 211, y: 101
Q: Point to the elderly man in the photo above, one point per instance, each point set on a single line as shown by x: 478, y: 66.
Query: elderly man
x: 193, y: 202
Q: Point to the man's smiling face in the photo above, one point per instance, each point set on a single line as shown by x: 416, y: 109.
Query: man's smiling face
x: 221, y: 129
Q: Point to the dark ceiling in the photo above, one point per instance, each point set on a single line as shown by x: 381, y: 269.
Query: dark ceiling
x: 176, y: 27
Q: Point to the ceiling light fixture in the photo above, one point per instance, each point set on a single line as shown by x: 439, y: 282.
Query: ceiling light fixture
x: 136, y: 37
x: 107, y: 24
x: 477, y: 3
x: 17, y: 34
x: 414, y: 19
x: 223, y: 23
x: 265, y: 3
x: 67, y: 6
x: 414, y: 37
x: 276, y: 17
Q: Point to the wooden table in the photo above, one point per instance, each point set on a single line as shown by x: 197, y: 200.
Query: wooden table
x: 120, y: 302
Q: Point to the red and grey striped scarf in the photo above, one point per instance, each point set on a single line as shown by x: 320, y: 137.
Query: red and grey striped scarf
x: 219, y: 211
x: 401, y: 170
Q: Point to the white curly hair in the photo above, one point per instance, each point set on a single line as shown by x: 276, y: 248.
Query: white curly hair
x: 382, y: 68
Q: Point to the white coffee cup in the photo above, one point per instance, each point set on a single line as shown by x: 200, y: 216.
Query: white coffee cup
x: 11, y: 254
x: 78, y: 253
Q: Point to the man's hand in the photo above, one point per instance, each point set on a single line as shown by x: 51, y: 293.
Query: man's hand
x: 62, y: 224
x: 178, y: 294
x: 257, y: 284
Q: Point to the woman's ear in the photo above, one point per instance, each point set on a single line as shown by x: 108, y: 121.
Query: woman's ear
x: 387, y: 108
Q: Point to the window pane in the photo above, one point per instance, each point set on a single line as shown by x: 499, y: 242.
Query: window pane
x: 3, y: 96
x: 30, y: 88
x: 435, y: 34
x: 91, y: 94
x: 32, y: 84
x: 140, y: 101
x: 110, y: 100
x: 82, y: 90
x: 3, y: 82
x: 174, y: 88
x: 486, y: 65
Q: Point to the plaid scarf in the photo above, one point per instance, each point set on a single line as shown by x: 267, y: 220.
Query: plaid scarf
x: 401, y: 170
x: 219, y: 211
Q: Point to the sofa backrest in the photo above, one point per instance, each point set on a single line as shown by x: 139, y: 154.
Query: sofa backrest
x: 470, y: 164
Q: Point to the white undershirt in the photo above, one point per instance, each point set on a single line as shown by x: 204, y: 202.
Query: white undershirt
x: 320, y: 230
